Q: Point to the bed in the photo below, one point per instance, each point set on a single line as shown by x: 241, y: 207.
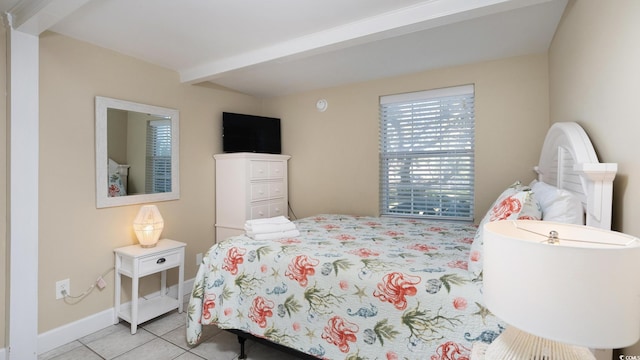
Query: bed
x: 386, y: 288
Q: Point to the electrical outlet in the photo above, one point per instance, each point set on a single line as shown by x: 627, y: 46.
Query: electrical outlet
x: 62, y: 285
x: 198, y: 258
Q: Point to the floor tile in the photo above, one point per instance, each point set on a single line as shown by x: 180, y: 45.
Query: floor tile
x: 189, y: 356
x: 159, y: 339
x: 104, y: 332
x: 177, y: 337
x: 166, y: 323
x: 157, y: 349
x: 78, y: 353
x: 118, y: 342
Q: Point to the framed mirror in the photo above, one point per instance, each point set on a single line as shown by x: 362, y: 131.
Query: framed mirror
x: 136, y: 153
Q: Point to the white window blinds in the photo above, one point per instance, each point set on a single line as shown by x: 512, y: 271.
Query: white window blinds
x: 158, y: 161
x: 427, y: 153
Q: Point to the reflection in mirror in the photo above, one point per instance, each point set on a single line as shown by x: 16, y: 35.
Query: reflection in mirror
x: 136, y: 153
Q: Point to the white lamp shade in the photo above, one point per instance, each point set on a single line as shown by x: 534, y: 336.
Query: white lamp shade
x: 148, y: 225
x: 584, y: 292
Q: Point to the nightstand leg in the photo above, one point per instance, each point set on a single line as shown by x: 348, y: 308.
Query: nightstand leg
x: 163, y: 283
x: 134, y: 304
x: 181, y: 284
x: 118, y: 281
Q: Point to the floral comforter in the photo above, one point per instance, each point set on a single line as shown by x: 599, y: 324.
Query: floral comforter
x: 349, y: 288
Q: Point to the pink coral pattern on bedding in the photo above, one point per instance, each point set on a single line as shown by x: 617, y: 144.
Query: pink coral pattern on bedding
x: 349, y: 288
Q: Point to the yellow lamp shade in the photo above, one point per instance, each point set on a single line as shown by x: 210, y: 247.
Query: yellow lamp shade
x: 148, y: 225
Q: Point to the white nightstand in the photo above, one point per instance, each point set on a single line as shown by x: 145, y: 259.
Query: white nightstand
x: 135, y: 262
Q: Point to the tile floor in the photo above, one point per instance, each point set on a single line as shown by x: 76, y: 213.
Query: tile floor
x: 159, y: 339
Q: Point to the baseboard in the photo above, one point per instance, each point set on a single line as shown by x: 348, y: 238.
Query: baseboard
x: 3, y: 356
x: 73, y: 331
x: 69, y: 332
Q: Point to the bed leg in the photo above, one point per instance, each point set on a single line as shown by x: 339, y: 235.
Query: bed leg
x: 241, y: 340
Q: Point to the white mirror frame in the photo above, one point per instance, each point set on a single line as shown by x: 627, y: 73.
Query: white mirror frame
x: 102, y: 172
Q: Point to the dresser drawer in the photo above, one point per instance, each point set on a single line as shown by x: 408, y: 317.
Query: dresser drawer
x: 266, y: 190
x: 258, y: 169
x: 268, y: 209
x: 276, y: 190
x: 260, y: 211
x: 276, y: 169
x: 277, y: 208
x: 262, y: 169
x: 159, y: 262
x: 259, y: 191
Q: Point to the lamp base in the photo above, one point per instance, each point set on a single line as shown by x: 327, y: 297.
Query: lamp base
x: 515, y: 344
x: 148, y: 245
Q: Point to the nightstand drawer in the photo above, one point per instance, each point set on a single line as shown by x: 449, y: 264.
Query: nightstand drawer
x: 157, y: 263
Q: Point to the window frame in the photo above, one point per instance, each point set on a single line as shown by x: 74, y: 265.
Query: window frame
x: 423, y: 136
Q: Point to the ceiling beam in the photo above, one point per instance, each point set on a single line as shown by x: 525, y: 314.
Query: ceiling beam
x: 425, y: 15
x: 36, y: 16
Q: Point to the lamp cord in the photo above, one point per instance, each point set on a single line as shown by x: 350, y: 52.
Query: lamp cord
x: 72, y: 300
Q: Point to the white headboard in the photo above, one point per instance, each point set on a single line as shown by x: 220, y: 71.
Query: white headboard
x: 569, y: 162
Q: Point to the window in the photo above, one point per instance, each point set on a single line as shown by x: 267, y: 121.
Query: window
x: 158, y: 161
x: 427, y: 153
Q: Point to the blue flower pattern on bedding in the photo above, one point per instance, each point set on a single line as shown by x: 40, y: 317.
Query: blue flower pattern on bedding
x: 349, y: 288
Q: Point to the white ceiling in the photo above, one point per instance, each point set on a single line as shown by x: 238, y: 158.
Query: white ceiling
x: 275, y: 47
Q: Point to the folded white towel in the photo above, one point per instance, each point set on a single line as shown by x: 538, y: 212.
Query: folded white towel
x: 276, y: 235
x: 268, y: 228
x: 271, y: 220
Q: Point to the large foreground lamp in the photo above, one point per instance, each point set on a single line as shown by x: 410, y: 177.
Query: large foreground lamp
x: 148, y: 225
x: 561, y: 288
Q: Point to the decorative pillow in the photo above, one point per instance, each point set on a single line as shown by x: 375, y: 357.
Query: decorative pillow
x: 558, y: 204
x: 517, y: 202
x: 115, y: 186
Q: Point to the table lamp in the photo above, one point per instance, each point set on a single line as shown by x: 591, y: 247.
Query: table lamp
x: 561, y: 288
x: 148, y: 225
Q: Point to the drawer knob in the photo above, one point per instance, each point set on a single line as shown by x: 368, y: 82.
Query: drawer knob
x: 161, y: 260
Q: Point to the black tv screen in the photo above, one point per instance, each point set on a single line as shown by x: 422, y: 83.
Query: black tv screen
x: 250, y: 133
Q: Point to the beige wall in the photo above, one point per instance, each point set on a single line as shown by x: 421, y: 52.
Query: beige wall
x: 117, y: 127
x: 334, y: 164
x: 595, y: 80
x: 76, y: 239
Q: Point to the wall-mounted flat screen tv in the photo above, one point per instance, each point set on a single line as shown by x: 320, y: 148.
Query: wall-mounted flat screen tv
x: 250, y: 133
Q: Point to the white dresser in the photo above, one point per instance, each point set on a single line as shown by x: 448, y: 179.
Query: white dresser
x: 248, y: 186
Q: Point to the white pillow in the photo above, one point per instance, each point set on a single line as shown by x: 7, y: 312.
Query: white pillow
x: 558, y: 204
